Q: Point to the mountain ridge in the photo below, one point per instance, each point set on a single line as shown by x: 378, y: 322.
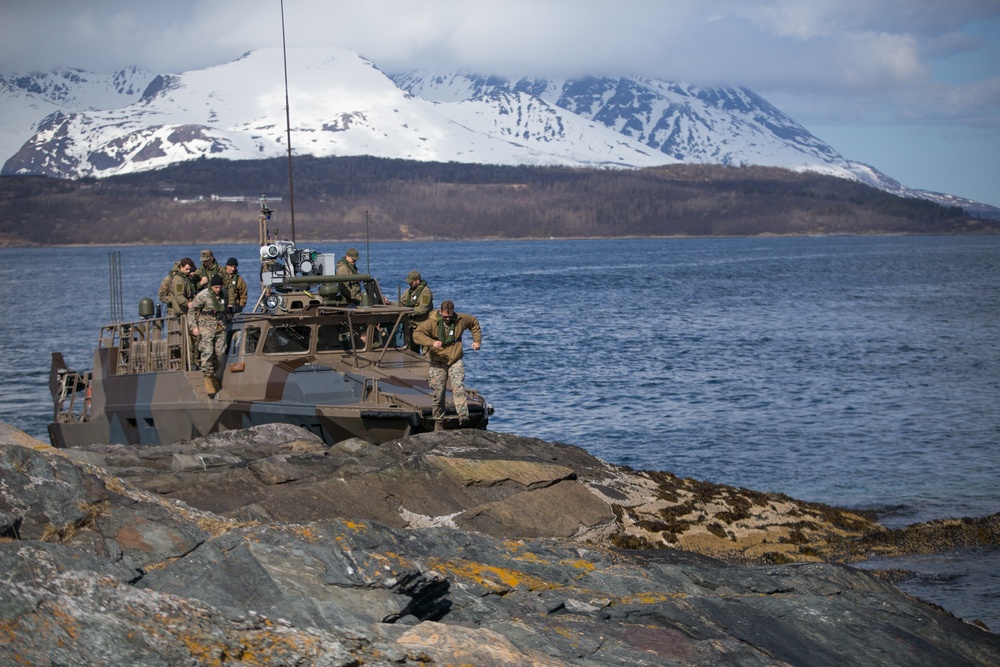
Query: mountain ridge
x: 214, y: 201
x: 342, y: 104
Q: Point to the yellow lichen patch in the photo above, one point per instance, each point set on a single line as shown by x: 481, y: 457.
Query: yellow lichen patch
x: 260, y: 647
x: 356, y: 526
x: 389, y: 563
x: 579, y: 564
x: 212, y: 524
x: 63, y: 620
x: 526, y: 557
x: 513, y: 545
x: 651, y: 597
x: 306, y: 533
x: 496, y: 579
x: 7, y: 633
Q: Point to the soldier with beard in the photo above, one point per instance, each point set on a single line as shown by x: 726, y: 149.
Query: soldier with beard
x: 442, y: 333
x: 209, y: 267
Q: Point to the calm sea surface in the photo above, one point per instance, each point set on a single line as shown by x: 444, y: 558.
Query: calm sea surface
x: 861, y: 372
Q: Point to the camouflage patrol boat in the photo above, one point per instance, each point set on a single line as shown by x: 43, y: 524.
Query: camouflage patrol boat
x: 302, y: 355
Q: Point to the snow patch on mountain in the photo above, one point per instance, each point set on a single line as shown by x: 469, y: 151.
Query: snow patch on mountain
x: 74, y: 123
x: 26, y: 100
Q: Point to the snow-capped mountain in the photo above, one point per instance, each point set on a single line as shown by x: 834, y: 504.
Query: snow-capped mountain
x: 74, y: 124
x: 26, y: 99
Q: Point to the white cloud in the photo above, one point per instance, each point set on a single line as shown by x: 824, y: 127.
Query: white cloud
x: 837, y: 61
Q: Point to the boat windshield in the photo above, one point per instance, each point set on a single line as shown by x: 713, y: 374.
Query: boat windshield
x: 338, y: 337
x: 289, y: 339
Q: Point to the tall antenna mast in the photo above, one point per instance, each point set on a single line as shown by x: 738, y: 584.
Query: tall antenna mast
x: 288, y: 124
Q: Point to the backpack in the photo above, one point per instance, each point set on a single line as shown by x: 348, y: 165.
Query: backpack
x: 166, y: 288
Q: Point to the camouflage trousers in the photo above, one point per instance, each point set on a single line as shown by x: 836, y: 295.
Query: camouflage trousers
x: 438, y: 378
x: 211, y: 348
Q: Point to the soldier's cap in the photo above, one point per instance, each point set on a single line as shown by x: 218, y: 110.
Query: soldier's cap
x: 352, y: 252
x: 412, y: 275
x: 216, y: 280
x: 206, y: 255
x: 232, y: 262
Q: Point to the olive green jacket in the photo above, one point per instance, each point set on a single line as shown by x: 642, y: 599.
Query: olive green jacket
x: 421, y: 300
x: 202, y: 272
x: 182, y: 290
x: 428, y: 331
x: 236, y: 290
x: 352, y: 290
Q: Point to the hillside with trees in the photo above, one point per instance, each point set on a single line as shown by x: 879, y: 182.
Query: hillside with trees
x: 215, y: 201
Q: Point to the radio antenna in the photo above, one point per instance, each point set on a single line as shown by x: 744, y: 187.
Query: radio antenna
x: 115, y: 269
x: 288, y: 124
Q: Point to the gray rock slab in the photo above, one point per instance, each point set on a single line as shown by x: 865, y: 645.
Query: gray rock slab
x: 96, y: 564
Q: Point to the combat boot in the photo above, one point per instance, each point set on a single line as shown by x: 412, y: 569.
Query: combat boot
x: 210, y: 386
x: 217, y: 383
x: 438, y: 426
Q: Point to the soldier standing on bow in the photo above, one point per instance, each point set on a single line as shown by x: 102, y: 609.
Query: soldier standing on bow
x: 208, y: 316
x: 442, y: 333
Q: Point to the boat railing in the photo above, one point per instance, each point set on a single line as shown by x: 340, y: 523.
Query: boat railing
x: 71, y: 405
x: 149, y: 345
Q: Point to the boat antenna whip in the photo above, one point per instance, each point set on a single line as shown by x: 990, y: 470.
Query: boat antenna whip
x: 368, y: 254
x: 115, y: 271
x: 288, y: 124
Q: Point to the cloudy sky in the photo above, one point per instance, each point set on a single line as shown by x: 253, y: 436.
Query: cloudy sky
x: 911, y: 87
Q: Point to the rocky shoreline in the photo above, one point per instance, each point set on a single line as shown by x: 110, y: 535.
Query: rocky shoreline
x: 267, y: 547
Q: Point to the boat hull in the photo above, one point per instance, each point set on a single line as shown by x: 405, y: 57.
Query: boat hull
x: 135, y: 410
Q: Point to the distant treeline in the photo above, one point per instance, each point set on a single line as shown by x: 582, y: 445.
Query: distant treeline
x: 334, y: 198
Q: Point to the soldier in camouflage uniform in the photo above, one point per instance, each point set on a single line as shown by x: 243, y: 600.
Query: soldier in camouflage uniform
x: 419, y: 297
x: 442, y: 333
x: 208, y: 315
x: 209, y: 267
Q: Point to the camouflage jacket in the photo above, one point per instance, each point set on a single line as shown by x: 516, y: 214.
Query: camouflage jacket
x: 182, y: 290
x: 433, y: 328
x: 208, y: 311
x: 236, y: 290
x: 421, y: 300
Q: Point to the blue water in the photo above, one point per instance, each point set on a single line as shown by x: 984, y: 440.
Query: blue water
x: 862, y: 372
